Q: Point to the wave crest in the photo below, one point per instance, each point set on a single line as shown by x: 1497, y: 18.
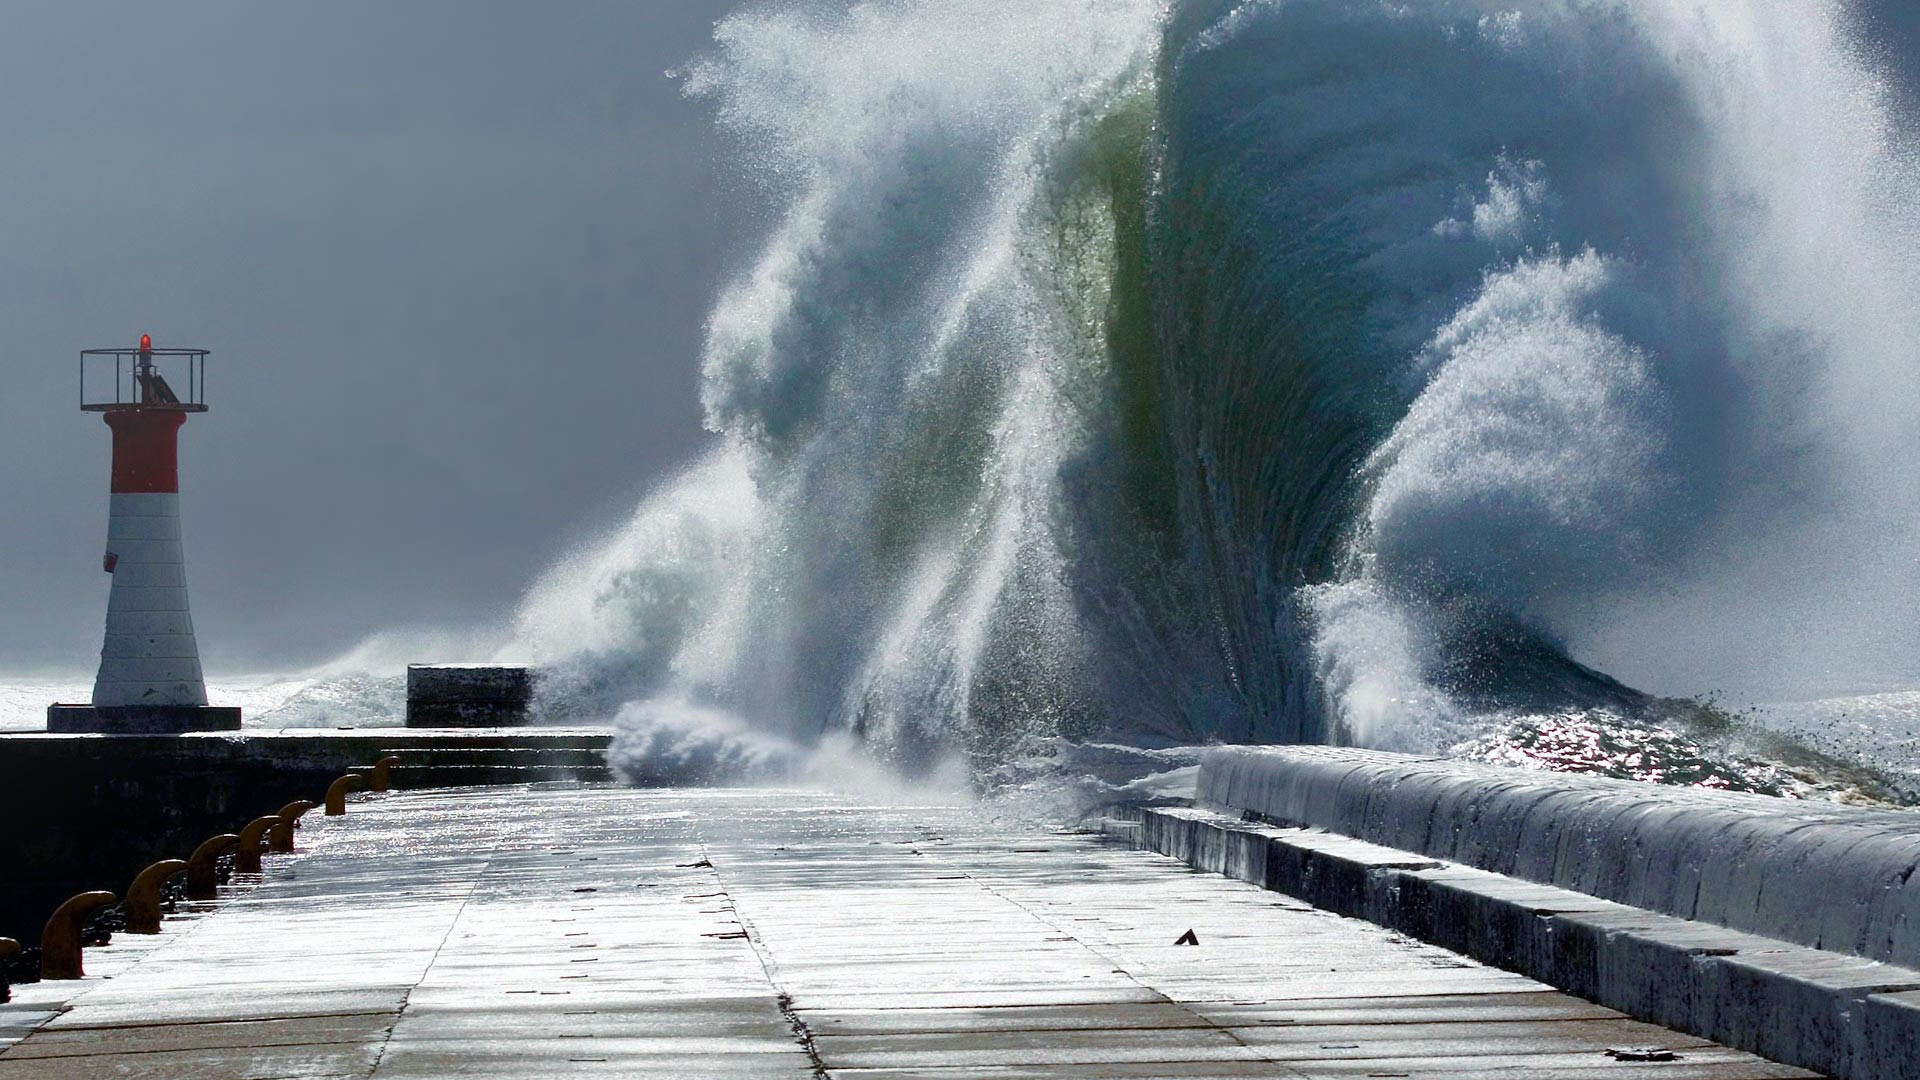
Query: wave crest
x: 1277, y: 371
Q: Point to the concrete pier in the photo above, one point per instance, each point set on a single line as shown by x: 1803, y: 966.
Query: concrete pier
x: 555, y: 931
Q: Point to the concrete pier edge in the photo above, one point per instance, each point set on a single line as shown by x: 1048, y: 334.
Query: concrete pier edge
x: 1850, y: 1016
x: 1769, y: 866
x: 65, y: 719
x: 90, y: 810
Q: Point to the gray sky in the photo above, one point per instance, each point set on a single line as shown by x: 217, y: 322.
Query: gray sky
x: 452, y: 257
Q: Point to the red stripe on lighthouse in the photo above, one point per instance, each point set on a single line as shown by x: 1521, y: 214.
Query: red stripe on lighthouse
x: 146, y: 452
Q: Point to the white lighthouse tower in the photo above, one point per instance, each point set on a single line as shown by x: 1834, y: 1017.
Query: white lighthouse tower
x: 149, y: 680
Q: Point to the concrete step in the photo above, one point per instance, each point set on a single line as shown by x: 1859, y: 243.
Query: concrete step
x: 576, y: 758
x: 413, y: 777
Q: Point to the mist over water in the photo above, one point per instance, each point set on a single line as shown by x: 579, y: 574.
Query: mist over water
x: 1275, y: 371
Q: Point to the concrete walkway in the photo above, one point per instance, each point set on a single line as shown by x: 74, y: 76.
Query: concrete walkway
x: 598, y: 932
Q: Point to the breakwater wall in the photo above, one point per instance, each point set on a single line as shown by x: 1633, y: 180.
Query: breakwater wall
x: 80, y: 812
x: 1819, y: 874
x: 1675, y: 906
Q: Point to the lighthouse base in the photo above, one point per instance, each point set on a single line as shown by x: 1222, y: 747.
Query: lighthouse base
x: 140, y: 719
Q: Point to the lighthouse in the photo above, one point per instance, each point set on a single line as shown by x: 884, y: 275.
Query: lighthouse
x: 149, y: 680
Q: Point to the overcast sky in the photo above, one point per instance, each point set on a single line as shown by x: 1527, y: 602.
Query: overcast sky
x: 452, y: 258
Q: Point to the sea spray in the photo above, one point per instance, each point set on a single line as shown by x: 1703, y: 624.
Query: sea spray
x: 1321, y: 370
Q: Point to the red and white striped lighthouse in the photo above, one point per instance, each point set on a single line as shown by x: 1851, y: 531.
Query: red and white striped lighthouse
x: 149, y: 679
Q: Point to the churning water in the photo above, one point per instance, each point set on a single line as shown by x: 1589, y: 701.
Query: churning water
x: 1283, y: 370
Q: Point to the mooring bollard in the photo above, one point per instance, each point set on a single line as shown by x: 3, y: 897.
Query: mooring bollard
x: 60, y: 941
x: 246, y: 859
x: 203, y: 867
x: 9, y: 949
x: 337, y: 794
x: 381, y: 778
x: 280, y: 836
x: 143, y: 896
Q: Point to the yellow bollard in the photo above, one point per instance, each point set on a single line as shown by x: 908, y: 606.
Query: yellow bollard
x: 381, y: 778
x: 280, y: 836
x: 246, y: 860
x: 143, y: 896
x: 9, y: 949
x: 203, y: 867
x: 337, y: 794
x: 60, y: 941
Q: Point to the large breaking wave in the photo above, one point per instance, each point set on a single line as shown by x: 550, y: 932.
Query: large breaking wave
x: 1276, y: 370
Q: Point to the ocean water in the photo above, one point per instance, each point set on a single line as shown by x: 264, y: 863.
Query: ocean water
x: 327, y: 698
x: 1532, y: 380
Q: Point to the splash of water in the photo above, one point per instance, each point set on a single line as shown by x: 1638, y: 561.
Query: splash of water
x: 1249, y: 370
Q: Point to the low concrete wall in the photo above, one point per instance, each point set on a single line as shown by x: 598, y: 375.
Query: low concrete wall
x: 80, y: 812
x: 1844, y: 1016
x: 468, y: 695
x: 1836, y: 878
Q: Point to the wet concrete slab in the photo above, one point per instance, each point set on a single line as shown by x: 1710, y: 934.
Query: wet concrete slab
x: 567, y: 931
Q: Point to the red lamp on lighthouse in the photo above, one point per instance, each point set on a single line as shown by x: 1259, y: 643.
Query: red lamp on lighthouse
x: 150, y: 680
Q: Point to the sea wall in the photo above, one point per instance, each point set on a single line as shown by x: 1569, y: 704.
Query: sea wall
x: 1831, y: 877
x: 80, y: 812
x: 1639, y: 897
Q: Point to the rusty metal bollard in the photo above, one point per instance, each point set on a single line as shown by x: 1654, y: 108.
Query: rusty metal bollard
x: 381, y: 778
x: 203, y: 867
x: 9, y: 949
x: 60, y: 941
x: 337, y: 794
x: 246, y: 860
x: 280, y: 836
x: 143, y: 896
